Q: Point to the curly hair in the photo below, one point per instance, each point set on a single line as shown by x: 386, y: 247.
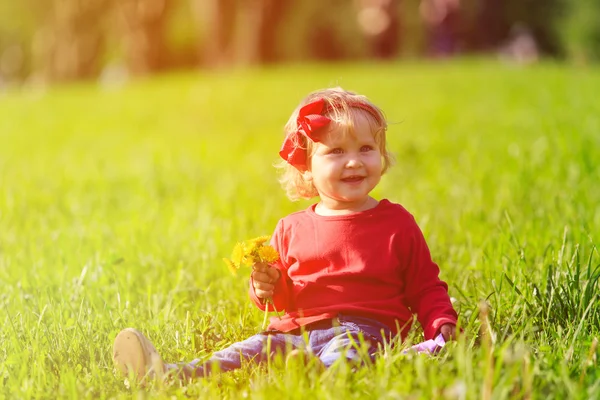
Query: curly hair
x: 343, y: 107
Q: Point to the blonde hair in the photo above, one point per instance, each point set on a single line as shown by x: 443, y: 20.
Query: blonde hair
x: 342, y: 107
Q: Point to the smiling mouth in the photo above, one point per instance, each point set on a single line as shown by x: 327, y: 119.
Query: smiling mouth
x: 352, y: 179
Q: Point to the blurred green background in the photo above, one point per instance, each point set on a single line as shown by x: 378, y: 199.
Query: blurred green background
x: 60, y: 40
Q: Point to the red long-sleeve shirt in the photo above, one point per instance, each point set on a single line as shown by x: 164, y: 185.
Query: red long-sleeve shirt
x: 373, y: 263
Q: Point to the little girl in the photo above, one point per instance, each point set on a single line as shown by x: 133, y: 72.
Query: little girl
x: 352, y: 269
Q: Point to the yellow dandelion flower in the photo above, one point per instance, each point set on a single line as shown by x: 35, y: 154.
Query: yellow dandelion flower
x: 250, y: 246
x: 230, y: 265
x: 261, y: 240
x: 248, y: 260
x: 237, y: 256
x: 268, y: 254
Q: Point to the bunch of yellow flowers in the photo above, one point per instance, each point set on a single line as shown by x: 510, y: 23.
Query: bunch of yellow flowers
x: 250, y: 252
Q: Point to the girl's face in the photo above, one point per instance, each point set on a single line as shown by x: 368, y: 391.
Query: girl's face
x: 346, y: 167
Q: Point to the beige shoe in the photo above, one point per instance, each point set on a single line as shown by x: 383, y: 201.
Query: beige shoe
x: 135, y: 355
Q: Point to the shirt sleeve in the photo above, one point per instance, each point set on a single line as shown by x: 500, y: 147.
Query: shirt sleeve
x: 425, y: 294
x: 281, y: 292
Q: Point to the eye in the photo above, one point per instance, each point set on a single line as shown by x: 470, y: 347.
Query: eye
x: 336, y: 151
x: 366, y: 148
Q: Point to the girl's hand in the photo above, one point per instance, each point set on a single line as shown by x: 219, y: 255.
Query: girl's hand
x: 264, y: 278
x: 448, y: 331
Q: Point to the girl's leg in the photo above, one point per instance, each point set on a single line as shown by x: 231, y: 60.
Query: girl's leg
x: 355, y: 338
x: 134, y: 353
x: 258, y: 348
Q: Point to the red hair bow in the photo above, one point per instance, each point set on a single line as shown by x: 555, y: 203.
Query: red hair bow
x: 310, y: 121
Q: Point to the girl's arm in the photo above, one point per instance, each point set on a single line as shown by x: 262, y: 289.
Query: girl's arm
x: 425, y: 294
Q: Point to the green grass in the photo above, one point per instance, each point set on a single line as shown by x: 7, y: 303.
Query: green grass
x: 117, y: 205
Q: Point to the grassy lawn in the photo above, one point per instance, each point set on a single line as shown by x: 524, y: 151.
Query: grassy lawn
x: 117, y: 205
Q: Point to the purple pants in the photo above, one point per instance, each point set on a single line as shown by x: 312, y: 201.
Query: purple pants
x: 355, y: 338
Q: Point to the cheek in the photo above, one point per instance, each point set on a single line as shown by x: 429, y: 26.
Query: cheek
x: 325, y: 165
x: 375, y: 162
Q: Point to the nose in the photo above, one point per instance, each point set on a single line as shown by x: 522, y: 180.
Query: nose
x: 353, y: 162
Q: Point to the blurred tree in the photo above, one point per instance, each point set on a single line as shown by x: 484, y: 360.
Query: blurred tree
x: 542, y: 18
x: 142, y: 26
x: 379, y: 21
x: 18, y: 22
x: 74, y: 39
x: 414, y: 42
x: 492, y: 25
x: 182, y: 35
x: 497, y: 19
x: 240, y: 31
x: 330, y: 31
x: 580, y: 30
x: 260, y: 25
x: 442, y: 19
x: 218, y: 17
x: 68, y: 44
x: 12, y: 59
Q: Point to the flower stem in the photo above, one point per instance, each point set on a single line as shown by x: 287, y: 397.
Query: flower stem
x: 276, y: 312
x: 265, y: 318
